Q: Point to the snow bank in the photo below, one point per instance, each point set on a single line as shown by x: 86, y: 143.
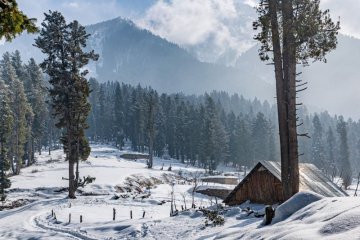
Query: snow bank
x: 295, y: 203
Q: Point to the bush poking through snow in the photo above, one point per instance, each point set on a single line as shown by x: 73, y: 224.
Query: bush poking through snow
x: 213, y: 218
x: 85, y: 181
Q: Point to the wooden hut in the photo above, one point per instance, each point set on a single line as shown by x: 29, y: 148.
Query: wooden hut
x: 263, y: 184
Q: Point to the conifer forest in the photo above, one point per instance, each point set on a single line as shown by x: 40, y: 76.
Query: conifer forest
x: 179, y: 119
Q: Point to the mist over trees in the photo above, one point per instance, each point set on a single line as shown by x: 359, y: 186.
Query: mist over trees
x: 181, y: 123
x: 189, y: 127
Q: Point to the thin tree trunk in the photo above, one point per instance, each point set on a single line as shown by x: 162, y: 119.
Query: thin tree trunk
x: 2, y: 172
x: 77, y: 177
x: 280, y: 95
x: 70, y: 157
x: 290, y: 176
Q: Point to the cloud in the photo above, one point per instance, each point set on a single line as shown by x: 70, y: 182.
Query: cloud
x: 219, y: 25
x: 72, y: 5
x: 348, y: 11
x: 85, y: 11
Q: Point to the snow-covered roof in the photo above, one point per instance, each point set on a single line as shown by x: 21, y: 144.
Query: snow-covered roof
x: 311, y: 179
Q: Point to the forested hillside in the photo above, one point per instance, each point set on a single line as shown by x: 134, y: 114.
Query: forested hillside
x: 133, y: 55
x: 205, y: 130
x: 216, y: 128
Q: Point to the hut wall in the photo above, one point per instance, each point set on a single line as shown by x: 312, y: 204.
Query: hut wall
x: 222, y: 180
x: 219, y: 193
x: 259, y: 187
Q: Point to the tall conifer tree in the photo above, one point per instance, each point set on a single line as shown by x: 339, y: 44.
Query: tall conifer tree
x: 63, y: 44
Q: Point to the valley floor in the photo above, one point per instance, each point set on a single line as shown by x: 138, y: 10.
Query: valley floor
x: 42, y: 186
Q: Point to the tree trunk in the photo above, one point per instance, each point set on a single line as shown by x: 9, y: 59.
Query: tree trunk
x: 70, y: 158
x: 280, y: 94
x: 151, y: 151
x: 2, y: 172
x: 77, y: 174
x: 290, y: 171
x: 71, y: 179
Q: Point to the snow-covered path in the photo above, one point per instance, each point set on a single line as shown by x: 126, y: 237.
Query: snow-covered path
x: 327, y: 218
x: 39, y: 183
x: 20, y: 223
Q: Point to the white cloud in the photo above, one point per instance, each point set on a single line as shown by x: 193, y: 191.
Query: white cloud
x: 189, y: 21
x: 348, y: 11
x: 72, y: 5
x: 219, y: 24
x: 85, y: 11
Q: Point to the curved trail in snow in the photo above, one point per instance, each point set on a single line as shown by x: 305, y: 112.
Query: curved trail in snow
x: 68, y: 232
x: 25, y: 223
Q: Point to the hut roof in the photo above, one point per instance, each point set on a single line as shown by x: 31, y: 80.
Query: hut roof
x: 311, y: 179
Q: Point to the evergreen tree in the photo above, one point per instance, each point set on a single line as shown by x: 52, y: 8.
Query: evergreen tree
x: 119, y: 116
x: 151, y: 105
x: 22, y: 115
x: 317, y: 149
x: 214, y: 138
x: 292, y: 31
x: 330, y: 150
x: 260, y: 138
x: 36, y: 94
x: 6, y: 123
x: 63, y: 44
x: 343, y: 158
x: 243, y: 142
x: 271, y: 143
x: 13, y: 21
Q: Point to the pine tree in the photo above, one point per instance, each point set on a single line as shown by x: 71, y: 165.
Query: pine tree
x: 13, y: 21
x: 63, y: 44
x: 22, y: 115
x: 151, y: 107
x: 119, y: 117
x: 343, y: 158
x: 94, y: 99
x: 214, y: 137
x: 260, y: 138
x: 330, y: 150
x: 6, y: 123
x: 243, y: 142
x: 317, y: 149
x: 36, y: 94
x: 293, y: 31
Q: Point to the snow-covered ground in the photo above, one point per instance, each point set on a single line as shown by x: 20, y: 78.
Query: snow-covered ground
x: 41, y: 185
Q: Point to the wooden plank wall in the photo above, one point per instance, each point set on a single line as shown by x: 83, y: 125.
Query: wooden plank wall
x: 260, y: 187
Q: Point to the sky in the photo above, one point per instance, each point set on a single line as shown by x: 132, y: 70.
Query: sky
x: 196, y: 19
x: 214, y: 25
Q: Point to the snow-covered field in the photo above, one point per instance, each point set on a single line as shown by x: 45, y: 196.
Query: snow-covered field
x: 41, y: 185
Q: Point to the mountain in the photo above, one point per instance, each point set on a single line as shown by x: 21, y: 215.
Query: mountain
x: 212, y: 31
x: 133, y: 55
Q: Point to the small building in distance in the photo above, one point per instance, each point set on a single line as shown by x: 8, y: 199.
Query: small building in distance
x: 263, y: 184
x: 230, y: 180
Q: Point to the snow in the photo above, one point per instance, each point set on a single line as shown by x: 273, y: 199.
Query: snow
x: 294, y: 204
x: 305, y: 216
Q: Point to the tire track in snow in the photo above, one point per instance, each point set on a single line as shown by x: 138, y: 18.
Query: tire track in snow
x: 74, y: 234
